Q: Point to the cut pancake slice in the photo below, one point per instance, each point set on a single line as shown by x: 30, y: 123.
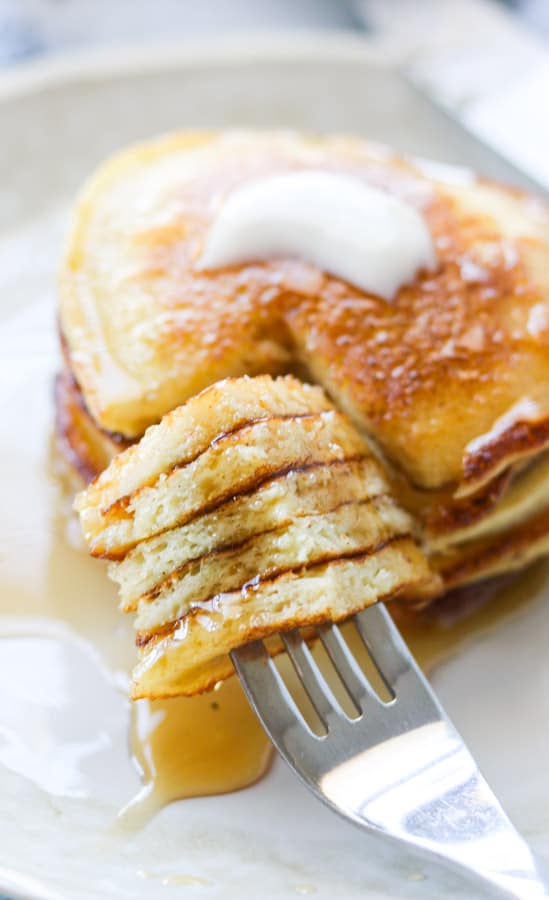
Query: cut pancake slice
x: 188, y: 430
x: 348, y: 529
x: 249, y: 527
x: 279, y: 501
x: 189, y: 656
x: 232, y: 463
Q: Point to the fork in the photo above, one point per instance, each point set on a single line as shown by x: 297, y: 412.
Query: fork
x: 399, y: 768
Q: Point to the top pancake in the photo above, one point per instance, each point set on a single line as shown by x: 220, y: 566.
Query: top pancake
x: 427, y: 376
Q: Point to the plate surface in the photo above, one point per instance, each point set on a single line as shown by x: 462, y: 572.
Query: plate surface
x: 64, y: 765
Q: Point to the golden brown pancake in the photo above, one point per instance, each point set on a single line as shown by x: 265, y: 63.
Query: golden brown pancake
x: 283, y: 498
x: 254, y: 508
x: 86, y: 447
x: 191, y: 656
x: 449, y: 382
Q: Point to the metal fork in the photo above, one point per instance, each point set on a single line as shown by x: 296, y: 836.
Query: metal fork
x: 400, y: 768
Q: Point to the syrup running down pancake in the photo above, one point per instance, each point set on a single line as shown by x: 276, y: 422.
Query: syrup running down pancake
x: 254, y: 508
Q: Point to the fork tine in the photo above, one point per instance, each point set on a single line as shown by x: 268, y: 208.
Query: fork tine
x: 356, y: 683
x: 266, y: 690
x: 311, y: 677
x: 385, y: 645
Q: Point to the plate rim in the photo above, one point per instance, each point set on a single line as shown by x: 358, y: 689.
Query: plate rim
x: 92, y: 64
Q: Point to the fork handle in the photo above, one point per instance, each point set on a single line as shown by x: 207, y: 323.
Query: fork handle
x: 493, y: 854
x: 471, y: 835
x: 529, y: 884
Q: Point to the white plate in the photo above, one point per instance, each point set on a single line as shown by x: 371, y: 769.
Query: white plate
x: 63, y: 719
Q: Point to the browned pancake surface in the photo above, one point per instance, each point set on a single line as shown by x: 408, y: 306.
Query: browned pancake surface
x: 425, y: 376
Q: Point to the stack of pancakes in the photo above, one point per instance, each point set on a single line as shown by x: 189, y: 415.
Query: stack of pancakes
x: 254, y: 508
x: 449, y: 383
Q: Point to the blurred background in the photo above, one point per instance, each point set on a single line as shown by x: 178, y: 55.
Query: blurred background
x: 485, y: 61
x: 32, y: 28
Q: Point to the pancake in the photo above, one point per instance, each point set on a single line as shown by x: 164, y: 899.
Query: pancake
x: 236, y: 527
x: 448, y: 383
x: 190, y: 657
x: 350, y: 528
x: 282, y: 499
x: 85, y: 446
x: 233, y: 463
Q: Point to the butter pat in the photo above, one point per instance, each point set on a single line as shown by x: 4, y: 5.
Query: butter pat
x: 354, y: 231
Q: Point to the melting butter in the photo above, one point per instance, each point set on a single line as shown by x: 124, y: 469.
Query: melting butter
x: 339, y: 223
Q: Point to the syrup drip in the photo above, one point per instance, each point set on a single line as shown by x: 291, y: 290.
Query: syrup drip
x: 194, y: 747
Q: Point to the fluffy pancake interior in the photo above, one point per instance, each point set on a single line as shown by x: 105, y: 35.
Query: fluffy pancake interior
x: 280, y: 501
x: 232, y: 463
x: 283, y: 522
x: 188, y: 430
x: 187, y: 660
x: 350, y: 528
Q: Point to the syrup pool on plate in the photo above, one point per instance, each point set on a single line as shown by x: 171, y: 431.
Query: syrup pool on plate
x: 194, y: 746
